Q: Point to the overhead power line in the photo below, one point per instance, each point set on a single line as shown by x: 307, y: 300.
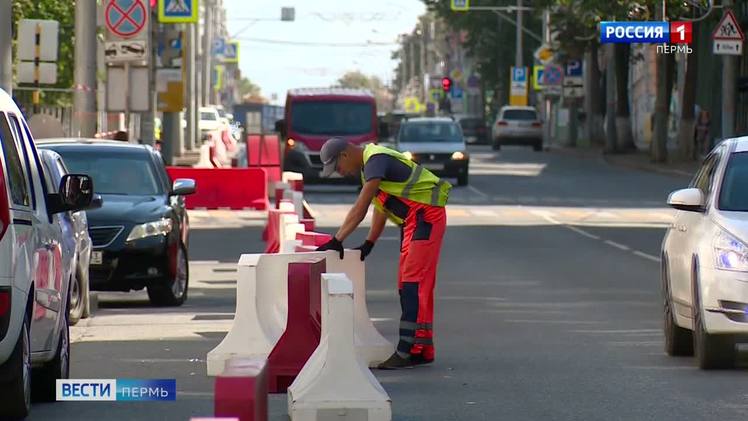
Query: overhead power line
x: 320, y: 44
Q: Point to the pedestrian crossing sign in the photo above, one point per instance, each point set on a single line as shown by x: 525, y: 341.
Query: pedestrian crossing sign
x: 460, y: 5
x: 231, y: 52
x: 177, y: 11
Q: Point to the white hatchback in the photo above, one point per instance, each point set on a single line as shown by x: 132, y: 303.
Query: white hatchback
x: 705, y: 260
x: 517, y: 125
x: 35, y: 273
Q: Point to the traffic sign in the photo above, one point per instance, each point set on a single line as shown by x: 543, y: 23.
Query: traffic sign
x: 177, y: 11
x: 728, y: 28
x: 231, y: 52
x: 728, y: 47
x: 48, y: 34
x: 460, y: 5
x: 537, y: 78
x: 543, y: 54
x: 119, y: 51
x: 126, y: 18
x: 219, y: 45
x: 518, y: 86
x: 573, y: 68
x: 553, y: 75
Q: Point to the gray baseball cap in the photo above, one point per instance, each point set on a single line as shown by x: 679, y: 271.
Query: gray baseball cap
x: 329, y: 154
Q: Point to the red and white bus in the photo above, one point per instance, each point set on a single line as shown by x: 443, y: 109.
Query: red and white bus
x: 313, y: 115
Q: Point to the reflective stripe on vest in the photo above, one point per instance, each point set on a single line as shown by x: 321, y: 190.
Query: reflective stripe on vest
x: 422, y: 186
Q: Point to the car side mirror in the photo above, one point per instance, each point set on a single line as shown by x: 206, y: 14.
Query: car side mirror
x: 183, y: 187
x: 76, y: 193
x: 690, y: 200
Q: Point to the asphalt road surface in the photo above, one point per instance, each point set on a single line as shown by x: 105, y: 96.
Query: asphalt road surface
x: 548, y: 306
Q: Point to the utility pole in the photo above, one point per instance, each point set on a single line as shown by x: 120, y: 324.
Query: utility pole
x: 207, y: 68
x: 728, y: 88
x: 518, y: 56
x: 6, y: 43
x: 191, y: 97
x: 84, y: 100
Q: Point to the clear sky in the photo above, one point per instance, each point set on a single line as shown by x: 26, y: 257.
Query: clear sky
x: 277, y: 67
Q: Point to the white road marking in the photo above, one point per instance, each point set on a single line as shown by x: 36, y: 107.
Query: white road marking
x: 558, y: 322
x: 647, y: 256
x: 476, y: 191
x: 583, y: 232
x: 617, y: 245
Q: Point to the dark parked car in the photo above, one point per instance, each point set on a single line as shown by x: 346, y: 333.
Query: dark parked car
x: 474, y: 129
x: 140, y: 234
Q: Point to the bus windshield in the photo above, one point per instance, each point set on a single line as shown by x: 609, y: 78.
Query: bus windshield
x: 333, y: 118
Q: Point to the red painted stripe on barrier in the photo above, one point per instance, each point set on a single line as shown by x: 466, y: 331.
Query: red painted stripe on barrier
x: 302, y: 333
x: 233, y: 188
x: 242, y: 390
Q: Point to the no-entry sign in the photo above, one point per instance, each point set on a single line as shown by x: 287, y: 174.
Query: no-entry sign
x: 126, y: 18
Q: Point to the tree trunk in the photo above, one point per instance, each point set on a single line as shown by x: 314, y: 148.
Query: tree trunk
x: 592, y: 102
x: 623, y: 115
x: 659, y: 135
x: 611, y: 136
x: 686, y: 126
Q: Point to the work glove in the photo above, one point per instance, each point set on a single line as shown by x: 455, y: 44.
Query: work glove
x: 333, y: 244
x: 365, y: 249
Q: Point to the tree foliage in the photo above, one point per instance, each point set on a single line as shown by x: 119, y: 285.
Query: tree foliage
x: 63, y: 12
x: 358, y: 80
x: 250, y: 92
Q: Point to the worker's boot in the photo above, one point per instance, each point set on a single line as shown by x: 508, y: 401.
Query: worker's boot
x: 396, y: 362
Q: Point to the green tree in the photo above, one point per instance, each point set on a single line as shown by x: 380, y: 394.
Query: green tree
x: 249, y: 91
x: 358, y: 80
x: 63, y: 12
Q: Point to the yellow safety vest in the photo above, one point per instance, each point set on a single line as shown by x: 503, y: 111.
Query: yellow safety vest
x: 422, y: 186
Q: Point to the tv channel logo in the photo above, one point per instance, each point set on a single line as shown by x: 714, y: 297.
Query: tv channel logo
x: 116, y: 390
x: 651, y: 32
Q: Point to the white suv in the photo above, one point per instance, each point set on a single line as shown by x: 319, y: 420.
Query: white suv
x: 705, y: 260
x: 34, y: 275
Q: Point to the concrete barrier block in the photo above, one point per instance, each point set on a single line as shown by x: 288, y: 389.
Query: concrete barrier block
x: 241, y: 391
x: 261, y: 309
x: 297, y: 198
x: 371, y: 346
x: 334, y: 384
x: 302, y: 333
x: 309, y: 238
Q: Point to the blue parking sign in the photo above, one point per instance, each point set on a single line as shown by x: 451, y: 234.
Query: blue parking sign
x: 519, y: 74
x: 573, y: 68
x: 177, y: 11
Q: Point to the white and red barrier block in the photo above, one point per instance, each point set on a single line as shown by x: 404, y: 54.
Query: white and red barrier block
x: 334, y: 384
x: 261, y: 309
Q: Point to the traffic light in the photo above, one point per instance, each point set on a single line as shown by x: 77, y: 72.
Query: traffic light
x: 446, y: 84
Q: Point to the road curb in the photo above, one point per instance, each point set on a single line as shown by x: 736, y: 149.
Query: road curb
x: 610, y: 159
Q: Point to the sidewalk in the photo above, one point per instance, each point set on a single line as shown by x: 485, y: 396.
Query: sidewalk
x: 639, y: 160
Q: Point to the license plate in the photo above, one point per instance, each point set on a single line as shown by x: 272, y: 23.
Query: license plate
x: 97, y: 257
x: 430, y: 166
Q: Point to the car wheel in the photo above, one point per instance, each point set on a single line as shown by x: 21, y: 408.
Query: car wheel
x: 173, y: 293
x: 77, y: 303
x: 496, y: 146
x: 462, y: 179
x: 45, y: 377
x: 712, y: 351
x: 538, y: 146
x: 16, y: 392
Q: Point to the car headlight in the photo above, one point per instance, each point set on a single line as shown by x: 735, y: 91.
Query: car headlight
x: 150, y: 229
x: 296, y: 145
x: 458, y: 156
x: 730, y: 253
x: 408, y: 155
